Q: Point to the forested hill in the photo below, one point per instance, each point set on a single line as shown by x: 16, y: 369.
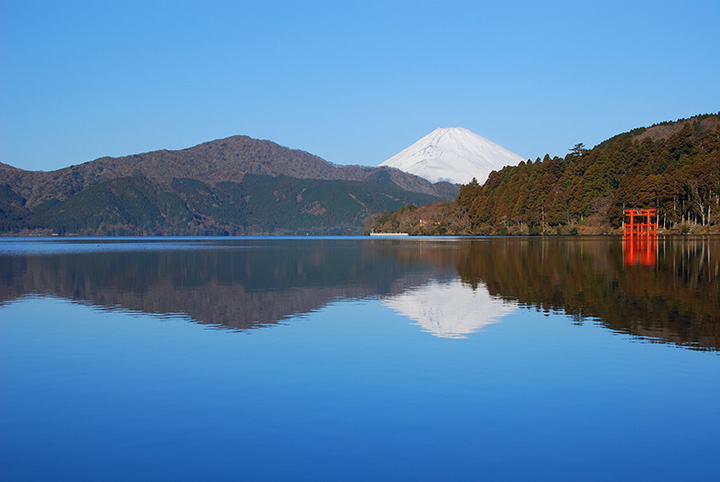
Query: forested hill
x: 236, y: 185
x: 673, y: 166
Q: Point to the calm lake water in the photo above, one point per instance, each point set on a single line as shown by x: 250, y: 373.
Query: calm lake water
x: 359, y: 359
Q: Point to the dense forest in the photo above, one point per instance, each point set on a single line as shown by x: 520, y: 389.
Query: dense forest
x: 673, y: 166
x: 135, y: 206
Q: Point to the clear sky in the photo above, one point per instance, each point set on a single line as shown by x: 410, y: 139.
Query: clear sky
x: 353, y: 82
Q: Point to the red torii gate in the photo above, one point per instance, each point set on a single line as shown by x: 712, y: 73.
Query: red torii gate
x: 648, y: 228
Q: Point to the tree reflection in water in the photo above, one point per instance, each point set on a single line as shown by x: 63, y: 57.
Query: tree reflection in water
x: 675, y: 299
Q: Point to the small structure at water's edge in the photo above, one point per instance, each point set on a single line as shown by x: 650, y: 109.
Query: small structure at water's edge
x: 389, y: 234
x: 640, y: 228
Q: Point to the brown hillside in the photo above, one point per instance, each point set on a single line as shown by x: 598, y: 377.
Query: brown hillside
x: 227, y: 159
x: 666, y: 130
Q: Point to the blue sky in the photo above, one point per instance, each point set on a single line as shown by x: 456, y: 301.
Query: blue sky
x: 352, y: 82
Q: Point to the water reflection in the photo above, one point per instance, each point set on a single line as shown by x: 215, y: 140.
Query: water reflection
x: 234, y: 284
x: 640, y: 250
x: 451, y: 309
x: 678, y: 300
x: 449, y: 288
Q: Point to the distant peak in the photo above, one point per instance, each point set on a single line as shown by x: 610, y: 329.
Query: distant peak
x: 453, y: 154
x: 451, y: 130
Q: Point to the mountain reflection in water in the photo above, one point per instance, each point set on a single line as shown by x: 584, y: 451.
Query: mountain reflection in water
x: 449, y: 287
x: 450, y: 310
x: 237, y: 284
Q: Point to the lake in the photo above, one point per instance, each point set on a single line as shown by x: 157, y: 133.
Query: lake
x: 359, y: 359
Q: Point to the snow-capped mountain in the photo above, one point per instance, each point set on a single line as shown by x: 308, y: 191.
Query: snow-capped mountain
x: 453, y: 154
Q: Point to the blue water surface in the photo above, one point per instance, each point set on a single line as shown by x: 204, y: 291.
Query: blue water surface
x: 350, y: 390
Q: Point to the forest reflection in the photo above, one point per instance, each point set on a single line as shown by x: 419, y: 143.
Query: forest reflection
x: 668, y: 291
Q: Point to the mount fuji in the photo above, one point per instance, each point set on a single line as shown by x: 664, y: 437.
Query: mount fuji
x: 454, y: 155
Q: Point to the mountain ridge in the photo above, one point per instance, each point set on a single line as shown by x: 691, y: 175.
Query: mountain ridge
x: 227, y: 159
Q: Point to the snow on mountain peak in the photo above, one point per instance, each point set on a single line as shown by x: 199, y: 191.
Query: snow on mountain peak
x: 453, y: 154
